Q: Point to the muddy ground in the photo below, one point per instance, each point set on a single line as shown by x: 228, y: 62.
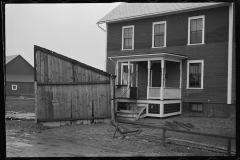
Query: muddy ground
x: 24, y: 138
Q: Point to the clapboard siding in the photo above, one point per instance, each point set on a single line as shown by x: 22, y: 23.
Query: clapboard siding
x: 69, y: 90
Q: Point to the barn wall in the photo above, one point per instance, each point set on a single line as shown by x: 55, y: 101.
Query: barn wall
x: 69, y: 99
x: 23, y: 89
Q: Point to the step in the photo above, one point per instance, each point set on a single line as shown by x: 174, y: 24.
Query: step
x: 126, y: 115
x: 125, y: 119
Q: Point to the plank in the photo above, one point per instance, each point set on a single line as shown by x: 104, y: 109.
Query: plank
x: 45, y: 58
x: 35, y: 105
x: 42, y: 67
x: 49, y: 68
x: 57, y: 69
x: 50, y: 105
x: 39, y: 102
x: 53, y: 69
x: 69, y: 72
x: 38, y: 66
x: 95, y: 100
x: 60, y: 70
x: 81, y: 99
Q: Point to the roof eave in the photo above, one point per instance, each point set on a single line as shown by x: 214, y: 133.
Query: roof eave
x: 165, y: 13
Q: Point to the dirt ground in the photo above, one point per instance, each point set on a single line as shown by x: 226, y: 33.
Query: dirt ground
x: 24, y: 138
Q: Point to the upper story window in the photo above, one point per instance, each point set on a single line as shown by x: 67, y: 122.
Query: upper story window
x: 196, y: 29
x: 127, y: 37
x: 159, y: 34
x: 195, y: 74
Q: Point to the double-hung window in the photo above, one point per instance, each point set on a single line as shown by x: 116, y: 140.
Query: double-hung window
x: 127, y: 37
x: 195, y: 74
x: 196, y: 29
x: 159, y: 34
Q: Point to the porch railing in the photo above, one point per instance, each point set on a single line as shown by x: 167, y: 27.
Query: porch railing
x: 154, y: 92
x: 168, y: 93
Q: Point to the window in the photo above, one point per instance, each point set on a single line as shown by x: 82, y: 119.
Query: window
x: 14, y: 87
x: 127, y: 37
x: 195, y: 74
x: 159, y: 34
x: 124, y: 74
x: 196, y: 107
x: 196, y: 28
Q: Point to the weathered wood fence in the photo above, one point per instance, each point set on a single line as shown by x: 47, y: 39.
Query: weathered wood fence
x: 66, y: 89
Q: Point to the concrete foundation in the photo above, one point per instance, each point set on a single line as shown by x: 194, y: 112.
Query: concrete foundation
x: 211, y: 110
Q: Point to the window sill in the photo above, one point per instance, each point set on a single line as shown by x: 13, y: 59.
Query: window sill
x: 158, y: 47
x: 195, y: 44
x: 194, y: 88
x: 127, y: 49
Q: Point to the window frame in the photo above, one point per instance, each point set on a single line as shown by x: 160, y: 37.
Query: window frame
x: 190, y: 107
x: 124, y: 27
x: 202, y: 73
x: 203, y: 29
x: 125, y: 64
x: 165, y: 33
x: 14, y: 85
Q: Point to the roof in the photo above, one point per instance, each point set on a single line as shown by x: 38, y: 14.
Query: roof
x: 144, y: 56
x: 9, y: 58
x: 125, y: 11
x: 70, y: 60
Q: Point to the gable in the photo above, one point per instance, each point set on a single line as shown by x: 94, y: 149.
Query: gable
x: 19, y: 65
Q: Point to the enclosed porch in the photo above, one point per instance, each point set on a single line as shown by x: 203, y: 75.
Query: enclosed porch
x: 154, y: 79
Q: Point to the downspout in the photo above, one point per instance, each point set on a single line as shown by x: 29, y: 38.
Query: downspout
x: 230, y: 45
x: 105, y: 60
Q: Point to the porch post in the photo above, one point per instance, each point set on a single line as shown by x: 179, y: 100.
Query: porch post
x: 162, y: 78
x: 148, y: 81
x: 116, y: 73
x: 129, y: 73
x: 180, y: 68
x: 137, y: 78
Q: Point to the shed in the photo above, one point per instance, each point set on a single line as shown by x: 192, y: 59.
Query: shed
x: 19, y: 76
x: 68, y: 90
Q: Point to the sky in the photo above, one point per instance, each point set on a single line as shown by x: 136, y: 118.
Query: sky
x: 67, y: 29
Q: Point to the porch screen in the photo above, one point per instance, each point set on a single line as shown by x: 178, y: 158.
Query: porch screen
x: 125, y: 75
x: 195, y: 75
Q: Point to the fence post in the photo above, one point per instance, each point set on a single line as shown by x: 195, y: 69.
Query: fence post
x: 112, y: 86
x: 229, y: 147
x: 163, y: 137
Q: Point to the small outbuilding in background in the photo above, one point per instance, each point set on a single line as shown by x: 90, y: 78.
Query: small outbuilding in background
x: 19, y: 76
x: 68, y: 91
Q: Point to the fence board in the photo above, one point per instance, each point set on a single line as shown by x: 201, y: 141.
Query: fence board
x: 49, y: 68
x: 61, y: 75
x: 38, y: 66
x: 45, y: 57
x: 42, y: 67
x: 53, y: 69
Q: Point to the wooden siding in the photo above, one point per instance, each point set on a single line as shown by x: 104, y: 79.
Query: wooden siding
x: 66, y: 90
x: 23, y: 89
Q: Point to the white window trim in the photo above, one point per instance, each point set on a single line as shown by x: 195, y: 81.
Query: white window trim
x: 125, y: 64
x: 13, y: 87
x: 132, y: 26
x: 165, y: 33
x: 202, y: 74
x: 203, y: 30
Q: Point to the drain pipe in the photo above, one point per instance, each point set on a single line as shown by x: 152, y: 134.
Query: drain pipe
x: 230, y: 46
x: 100, y: 27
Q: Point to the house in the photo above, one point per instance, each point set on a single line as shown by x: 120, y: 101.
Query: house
x: 172, y: 58
x: 19, y: 76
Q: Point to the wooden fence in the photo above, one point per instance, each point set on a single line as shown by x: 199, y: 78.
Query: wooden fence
x: 69, y: 90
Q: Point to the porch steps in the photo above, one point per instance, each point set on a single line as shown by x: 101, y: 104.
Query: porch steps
x: 129, y: 115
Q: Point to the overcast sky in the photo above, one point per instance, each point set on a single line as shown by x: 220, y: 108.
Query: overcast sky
x: 67, y: 29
